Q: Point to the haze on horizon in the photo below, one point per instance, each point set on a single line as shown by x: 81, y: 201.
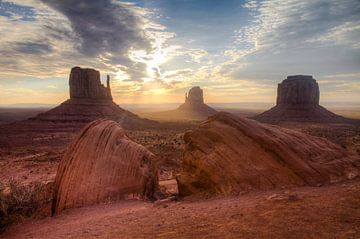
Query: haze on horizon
x: 155, y: 50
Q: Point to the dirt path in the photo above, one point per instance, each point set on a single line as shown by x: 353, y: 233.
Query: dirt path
x: 322, y: 212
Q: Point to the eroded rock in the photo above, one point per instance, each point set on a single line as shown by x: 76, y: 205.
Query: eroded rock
x: 298, y: 100
x: 90, y: 100
x: 102, y: 164
x: 229, y: 154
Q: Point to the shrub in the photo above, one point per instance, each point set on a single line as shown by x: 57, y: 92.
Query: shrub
x: 20, y: 202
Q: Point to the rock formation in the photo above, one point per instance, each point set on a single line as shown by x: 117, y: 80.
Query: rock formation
x: 194, y: 107
x: 86, y: 84
x: 298, y: 100
x: 195, y: 96
x: 102, y: 164
x: 90, y: 100
x: 228, y: 154
x: 298, y: 90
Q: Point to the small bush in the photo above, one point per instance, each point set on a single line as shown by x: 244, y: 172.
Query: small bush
x: 20, y: 202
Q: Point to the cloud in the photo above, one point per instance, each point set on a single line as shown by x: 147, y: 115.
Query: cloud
x: 52, y: 36
x: 284, y: 37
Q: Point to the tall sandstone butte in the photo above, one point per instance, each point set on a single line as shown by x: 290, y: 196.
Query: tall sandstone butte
x: 90, y: 100
x: 298, y: 90
x: 86, y: 84
x: 228, y: 154
x: 102, y: 164
x: 298, y: 99
x: 194, y: 106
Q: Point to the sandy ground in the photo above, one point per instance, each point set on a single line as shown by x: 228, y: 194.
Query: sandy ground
x: 309, y: 212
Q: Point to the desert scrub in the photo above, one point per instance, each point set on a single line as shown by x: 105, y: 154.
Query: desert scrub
x: 18, y: 202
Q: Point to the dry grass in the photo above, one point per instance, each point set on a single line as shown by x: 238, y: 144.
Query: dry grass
x: 18, y: 202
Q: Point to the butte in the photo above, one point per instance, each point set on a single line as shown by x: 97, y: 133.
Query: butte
x: 90, y: 100
x: 194, y: 107
x: 298, y: 99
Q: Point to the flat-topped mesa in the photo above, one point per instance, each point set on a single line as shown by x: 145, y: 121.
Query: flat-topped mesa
x: 298, y: 90
x: 86, y: 84
x: 195, y: 96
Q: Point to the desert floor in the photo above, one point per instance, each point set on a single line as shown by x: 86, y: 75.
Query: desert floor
x: 308, y: 212
x: 31, y: 154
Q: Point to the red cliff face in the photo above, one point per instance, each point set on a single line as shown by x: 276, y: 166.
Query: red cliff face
x: 86, y: 84
x: 102, y: 164
x: 298, y: 90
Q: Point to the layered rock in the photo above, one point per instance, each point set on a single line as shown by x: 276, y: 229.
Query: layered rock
x: 228, y: 154
x: 86, y: 84
x: 102, y: 164
x: 298, y: 100
x: 298, y: 90
x: 90, y: 100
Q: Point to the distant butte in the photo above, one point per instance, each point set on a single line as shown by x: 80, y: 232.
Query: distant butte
x: 298, y: 99
x: 194, y: 107
x: 90, y: 100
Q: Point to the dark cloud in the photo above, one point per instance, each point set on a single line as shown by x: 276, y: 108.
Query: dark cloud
x: 33, y: 48
x: 102, y: 25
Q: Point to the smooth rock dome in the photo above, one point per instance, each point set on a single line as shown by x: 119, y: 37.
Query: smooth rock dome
x: 228, y: 154
x: 103, y: 164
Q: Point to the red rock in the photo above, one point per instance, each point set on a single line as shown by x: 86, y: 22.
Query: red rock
x: 90, y: 100
x: 194, y: 107
x: 228, y: 154
x: 102, y: 164
x: 298, y: 100
x: 86, y: 84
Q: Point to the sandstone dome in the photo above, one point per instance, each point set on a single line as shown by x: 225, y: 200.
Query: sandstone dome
x: 103, y: 164
x: 228, y: 154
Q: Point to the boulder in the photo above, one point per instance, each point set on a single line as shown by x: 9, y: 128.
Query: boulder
x: 228, y: 154
x: 103, y: 164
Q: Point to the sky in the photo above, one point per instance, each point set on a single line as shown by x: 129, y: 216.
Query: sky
x: 156, y: 50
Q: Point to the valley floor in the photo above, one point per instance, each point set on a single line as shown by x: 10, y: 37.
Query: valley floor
x: 309, y: 212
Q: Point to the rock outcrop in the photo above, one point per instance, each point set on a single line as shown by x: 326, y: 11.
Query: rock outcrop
x: 102, y: 164
x: 229, y: 154
x: 194, y: 108
x: 298, y: 100
x: 195, y: 96
x: 86, y: 84
x: 298, y: 90
x: 90, y: 100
